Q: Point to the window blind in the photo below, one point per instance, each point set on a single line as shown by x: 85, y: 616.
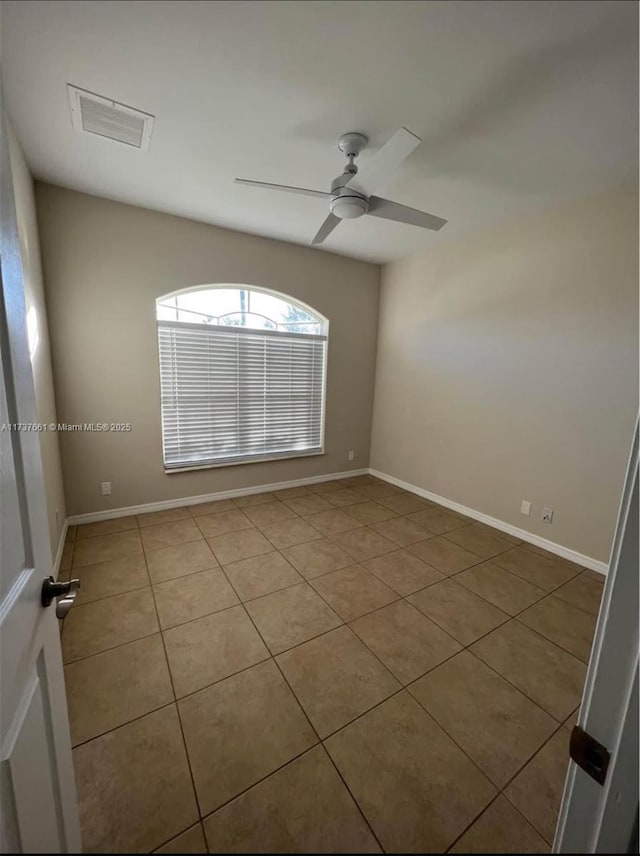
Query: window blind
x: 231, y: 395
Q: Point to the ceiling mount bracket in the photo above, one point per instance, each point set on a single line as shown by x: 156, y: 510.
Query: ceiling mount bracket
x: 352, y: 143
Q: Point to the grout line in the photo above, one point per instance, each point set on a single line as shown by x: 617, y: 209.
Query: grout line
x: 182, y: 832
x: 404, y: 687
x: 475, y: 819
x: 300, y: 705
x: 173, y: 689
x: 123, y: 724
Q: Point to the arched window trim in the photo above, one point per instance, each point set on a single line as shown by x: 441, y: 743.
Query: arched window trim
x: 320, y: 319
x: 202, y: 425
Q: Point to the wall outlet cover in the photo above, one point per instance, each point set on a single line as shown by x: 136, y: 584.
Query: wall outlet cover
x: 547, y: 515
x: 525, y: 507
x: 106, y: 488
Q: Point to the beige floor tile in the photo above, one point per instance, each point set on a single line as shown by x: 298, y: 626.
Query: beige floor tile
x: 491, y: 530
x: 403, y: 572
x: 402, y: 531
x: 114, y: 577
x: 114, y: 687
x: 186, y: 598
x: 500, y: 829
x: 332, y: 522
x: 405, y: 503
x: 179, y: 560
x: 416, y: 788
x: 315, y: 558
x: 191, y: 841
x: 444, y: 555
x: 353, y: 591
x: 168, y: 515
x: 504, y: 590
x: 537, y: 791
x: 239, y: 545
x: 66, y: 559
x: 479, y: 541
x: 269, y: 512
x: 134, y: 787
x: 93, y: 627
x: 72, y: 531
x: 342, y: 496
x: 325, y: 486
x: 364, y: 544
x: 261, y: 575
x: 336, y: 678
x: 495, y: 724
x: 211, y: 648
x: 215, y: 507
x: 377, y: 490
x: 240, y: 730
x: 254, y: 499
x: 439, y: 520
x: 223, y: 522
x: 459, y: 611
x: 406, y: 642
x: 572, y: 720
x: 287, y: 533
x: 542, y: 569
x: 291, y: 616
x: 351, y: 482
x: 547, y: 674
x: 311, y: 504
x: 169, y: 534
x: 106, y: 527
x: 582, y: 591
x: 292, y: 492
x: 102, y: 548
x: 369, y: 512
x: 302, y: 808
x: 594, y: 575
x: 568, y: 626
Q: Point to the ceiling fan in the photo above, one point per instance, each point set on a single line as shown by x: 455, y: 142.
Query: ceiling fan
x: 351, y: 192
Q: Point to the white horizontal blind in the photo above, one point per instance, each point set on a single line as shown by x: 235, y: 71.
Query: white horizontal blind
x: 231, y: 394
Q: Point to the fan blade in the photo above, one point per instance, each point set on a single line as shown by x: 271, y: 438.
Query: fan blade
x: 326, y: 229
x: 373, y: 174
x: 302, y: 190
x: 388, y: 210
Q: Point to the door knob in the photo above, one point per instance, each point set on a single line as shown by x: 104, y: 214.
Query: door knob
x: 65, y: 593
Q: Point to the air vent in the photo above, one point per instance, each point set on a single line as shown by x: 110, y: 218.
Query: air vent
x: 94, y: 114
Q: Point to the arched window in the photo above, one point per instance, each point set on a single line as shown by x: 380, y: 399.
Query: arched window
x: 242, y: 376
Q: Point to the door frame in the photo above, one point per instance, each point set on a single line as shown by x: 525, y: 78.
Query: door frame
x: 604, y: 818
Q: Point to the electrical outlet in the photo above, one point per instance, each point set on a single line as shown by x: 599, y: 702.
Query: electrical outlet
x: 106, y: 488
x: 525, y: 507
x: 351, y: 455
x: 547, y: 515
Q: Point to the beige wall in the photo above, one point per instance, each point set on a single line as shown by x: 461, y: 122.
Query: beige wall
x: 508, y: 369
x: 105, y: 265
x: 41, y: 358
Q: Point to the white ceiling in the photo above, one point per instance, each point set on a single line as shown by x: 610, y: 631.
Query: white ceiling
x: 521, y: 105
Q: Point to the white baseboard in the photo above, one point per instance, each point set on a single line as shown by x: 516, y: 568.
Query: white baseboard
x: 537, y: 540
x: 95, y: 516
x: 58, y: 557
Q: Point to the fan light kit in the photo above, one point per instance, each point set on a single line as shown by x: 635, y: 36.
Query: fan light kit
x: 351, y: 193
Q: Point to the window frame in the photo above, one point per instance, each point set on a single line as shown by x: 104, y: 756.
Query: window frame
x: 233, y: 329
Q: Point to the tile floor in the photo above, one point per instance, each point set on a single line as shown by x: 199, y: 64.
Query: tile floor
x: 338, y: 668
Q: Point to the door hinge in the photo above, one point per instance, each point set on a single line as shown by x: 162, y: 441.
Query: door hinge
x: 588, y: 754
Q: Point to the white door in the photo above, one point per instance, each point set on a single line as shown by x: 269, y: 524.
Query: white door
x: 38, y: 810
x: 603, y: 817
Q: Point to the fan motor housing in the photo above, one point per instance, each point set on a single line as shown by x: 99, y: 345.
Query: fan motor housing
x: 348, y: 205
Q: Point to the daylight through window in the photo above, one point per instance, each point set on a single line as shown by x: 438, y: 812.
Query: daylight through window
x: 242, y: 376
